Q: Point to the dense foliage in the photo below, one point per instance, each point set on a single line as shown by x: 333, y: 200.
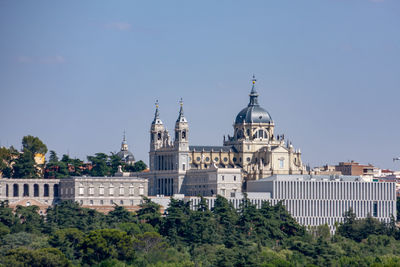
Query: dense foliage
x: 74, y: 236
x: 21, y: 164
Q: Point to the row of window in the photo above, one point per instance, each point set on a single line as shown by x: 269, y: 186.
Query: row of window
x: 110, y: 202
x: 258, y: 133
x: 333, y: 190
x: 111, y: 191
x: 37, y: 192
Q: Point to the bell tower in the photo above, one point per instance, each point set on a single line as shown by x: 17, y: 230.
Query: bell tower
x: 181, y: 131
x: 181, y: 143
x: 157, y: 131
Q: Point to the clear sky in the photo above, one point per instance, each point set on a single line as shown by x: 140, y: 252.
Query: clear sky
x: 77, y: 73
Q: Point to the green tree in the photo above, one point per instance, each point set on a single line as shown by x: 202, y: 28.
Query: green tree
x: 7, y: 157
x: 202, y: 226
x: 30, y: 220
x: 103, y: 244
x: 36, y: 258
x: 34, y: 145
x: 7, y: 216
x: 56, y: 168
x: 139, y: 166
x: 53, y: 157
x: 174, y: 226
x: 227, y: 218
x: 24, y: 166
x: 100, y: 165
x: 120, y: 215
x: 149, y: 212
x: 68, y: 241
x: 68, y: 214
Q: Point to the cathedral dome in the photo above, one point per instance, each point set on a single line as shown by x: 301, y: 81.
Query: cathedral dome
x: 253, y: 113
x: 126, y: 156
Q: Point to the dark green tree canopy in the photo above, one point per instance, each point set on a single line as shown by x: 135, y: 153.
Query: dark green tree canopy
x: 33, y: 144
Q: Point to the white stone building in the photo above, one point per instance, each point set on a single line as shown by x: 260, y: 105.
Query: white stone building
x: 104, y: 191
x: 323, y: 199
x: 254, y: 149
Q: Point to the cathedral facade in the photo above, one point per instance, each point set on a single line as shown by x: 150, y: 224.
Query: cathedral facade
x: 253, y: 150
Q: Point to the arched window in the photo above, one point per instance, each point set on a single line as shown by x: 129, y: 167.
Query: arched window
x: 183, y: 134
x: 159, y: 136
x: 261, y: 133
x: 26, y: 190
x: 6, y: 190
x: 35, y: 190
x: 281, y: 163
x: 46, y: 190
x: 55, y: 188
x: 15, y: 190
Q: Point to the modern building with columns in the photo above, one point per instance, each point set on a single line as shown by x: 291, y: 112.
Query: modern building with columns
x: 323, y: 199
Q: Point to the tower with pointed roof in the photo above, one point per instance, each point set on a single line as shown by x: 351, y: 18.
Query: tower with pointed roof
x: 181, y: 131
x: 181, y: 143
x: 157, y: 131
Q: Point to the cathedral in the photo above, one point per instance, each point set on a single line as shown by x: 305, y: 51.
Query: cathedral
x: 251, y: 153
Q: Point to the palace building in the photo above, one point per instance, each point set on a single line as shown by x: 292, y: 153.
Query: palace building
x: 253, y: 151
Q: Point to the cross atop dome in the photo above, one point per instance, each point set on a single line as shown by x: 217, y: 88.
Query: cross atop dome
x: 253, y: 93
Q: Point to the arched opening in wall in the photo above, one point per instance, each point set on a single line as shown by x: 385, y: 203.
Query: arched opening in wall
x: 6, y: 190
x: 36, y: 190
x: 184, y: 135
x: 46, y: 190
x: 159, y: 136
x: 26, y: 190
x: 56, y: 193
x: 15, y: 190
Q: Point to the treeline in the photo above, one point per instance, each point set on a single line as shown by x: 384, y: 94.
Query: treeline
x: 29, y: 162
x: 74, y: 236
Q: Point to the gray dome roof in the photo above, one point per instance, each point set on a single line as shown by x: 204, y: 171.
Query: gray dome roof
x: 253, y: 114
x: 126, y: 155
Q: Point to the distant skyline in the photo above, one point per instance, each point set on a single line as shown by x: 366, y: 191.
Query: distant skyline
x: 77, y: 74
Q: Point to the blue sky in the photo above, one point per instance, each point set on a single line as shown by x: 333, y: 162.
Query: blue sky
x: 77, y: 73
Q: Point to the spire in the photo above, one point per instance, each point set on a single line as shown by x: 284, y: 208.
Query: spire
x: 181, y: 117
x: 157, y: 115
x: 253, y: 94
x: 124, y: 138
x: 124, y: 144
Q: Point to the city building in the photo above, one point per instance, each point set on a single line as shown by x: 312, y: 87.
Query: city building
x: 253, y: 148
x: 326, y: 170
x: 323, y: 199
x: 100, y: 193
x: 355, y: 169
x: 314, y: 199
x: 26, y: 192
